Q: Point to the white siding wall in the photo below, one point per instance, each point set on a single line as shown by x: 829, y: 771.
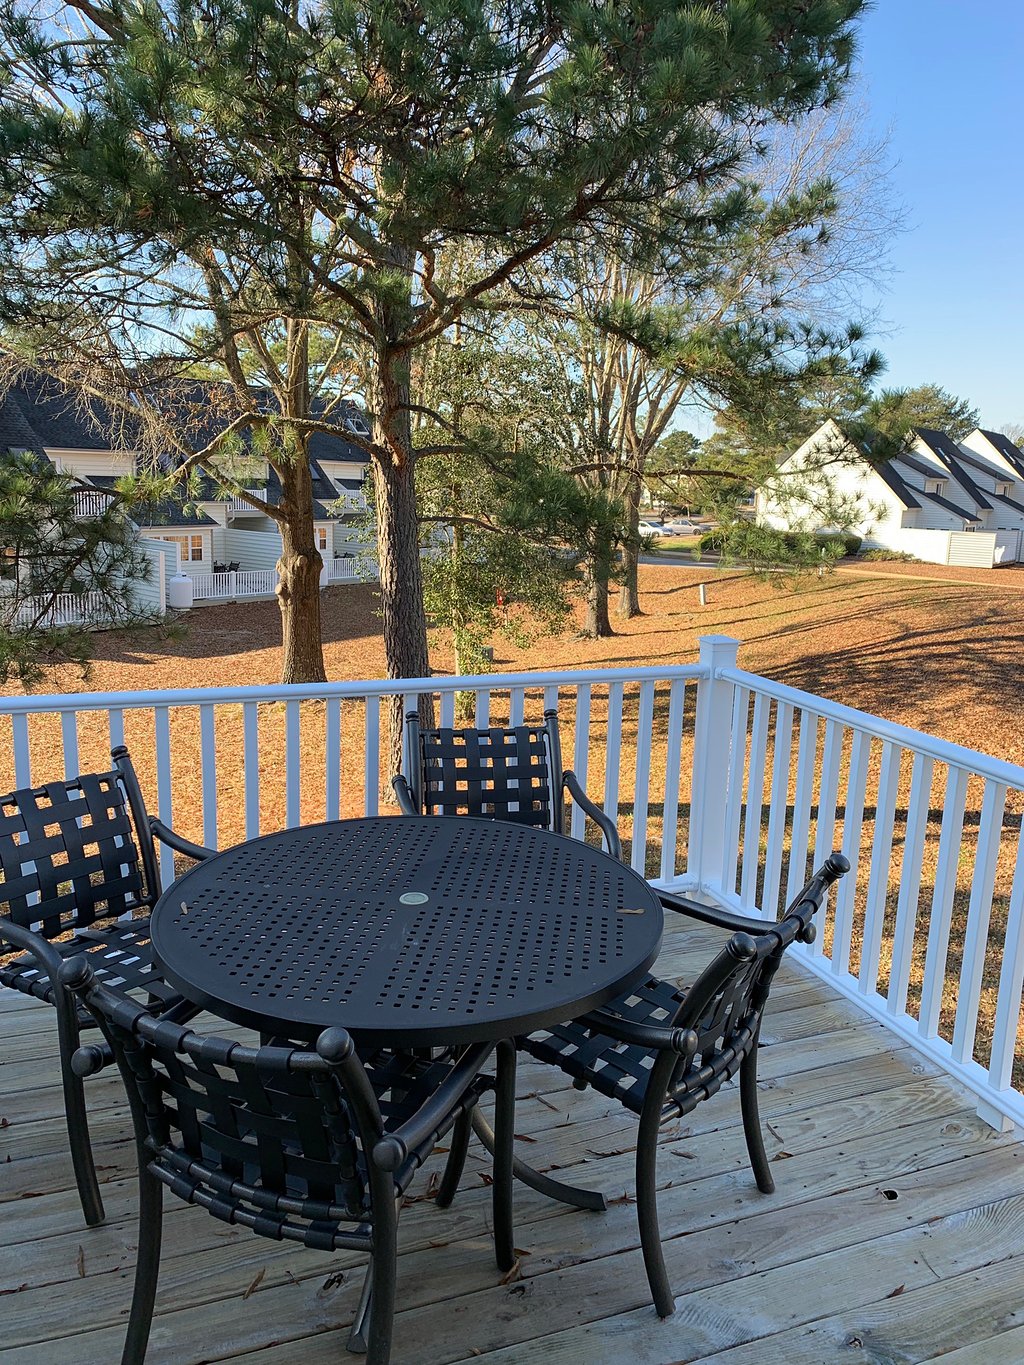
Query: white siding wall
x: 111, y: 463
x: 151, y: 593
x: 253, y: 549
x: 204, y: 565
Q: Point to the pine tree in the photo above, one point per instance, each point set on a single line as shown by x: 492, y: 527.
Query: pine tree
x: 184, y: 182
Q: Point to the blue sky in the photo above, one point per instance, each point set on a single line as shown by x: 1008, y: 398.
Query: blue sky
x: 946, y: 77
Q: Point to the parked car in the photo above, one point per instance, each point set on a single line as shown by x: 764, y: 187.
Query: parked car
x: 654, y: 528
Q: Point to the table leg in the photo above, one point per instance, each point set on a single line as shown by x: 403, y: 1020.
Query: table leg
x: 592, y: 1200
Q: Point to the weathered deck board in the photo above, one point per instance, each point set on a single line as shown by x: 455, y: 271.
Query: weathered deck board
x: 806, y: 1275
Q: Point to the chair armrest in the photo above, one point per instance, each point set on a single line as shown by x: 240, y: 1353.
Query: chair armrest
x: 394, y: 1148
x: 604, y: 822
x: 403, y: 795
x: 178, y: 842
x: 712, y: 914
x: 28, y: 941
x: 656, y: 1037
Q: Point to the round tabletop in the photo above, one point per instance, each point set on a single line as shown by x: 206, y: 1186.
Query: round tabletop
x: 408, y: 931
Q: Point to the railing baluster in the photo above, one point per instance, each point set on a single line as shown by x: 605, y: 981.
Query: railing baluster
x: 979, y: 913
x: 164, y: 786
x: 516, y: 700
x: 881, y: 860
x: 1011, y: 983
x: 853, y: 821
x: 371, y: 745
x: 755, y: 800
x: 642, y: 777
x: 22, y: 753
x: 208, y: 765
x: 332, y: 759
x: 904, y: 930
x: 115, y: 726
x: 778, y: 808
x: 447, y: 710
x: 947, y: 865
x: 482, y: 718
x: 69, y: 743
x: 581, y: 755
x: 734, y: 796
x: 800, y: 831
x: 251, y: 767
x: 673, y: 763
x: 825, y: 825
x: 292, y: 763
x: 613, y: 751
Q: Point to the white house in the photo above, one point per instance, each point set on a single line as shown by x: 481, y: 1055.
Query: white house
x: 939, y: 501
x: 211, y: 535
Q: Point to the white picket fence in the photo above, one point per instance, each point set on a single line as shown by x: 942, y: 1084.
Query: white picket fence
x: 229, y: 586
x: 725, y: 784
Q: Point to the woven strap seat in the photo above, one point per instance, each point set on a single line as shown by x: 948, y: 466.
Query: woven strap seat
x: 498, y: 774
x: 119, y: 954
x: 622, y: 1070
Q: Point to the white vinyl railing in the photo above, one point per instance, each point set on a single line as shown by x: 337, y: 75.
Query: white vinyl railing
x: 724, y: 783
x: 236, y: 505
x: 927, y: 931
x: 228, y: 585
x: 89, y: 504
x: 66, y: 609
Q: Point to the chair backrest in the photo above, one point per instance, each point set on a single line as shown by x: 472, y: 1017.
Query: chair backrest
x: 73, y: 852
x: 277, y: 1138
x: 500, y: 774
x: 722, y: 1010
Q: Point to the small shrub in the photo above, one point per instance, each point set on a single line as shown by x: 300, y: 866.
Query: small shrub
x: 844, y: 541
x: 883, y: 554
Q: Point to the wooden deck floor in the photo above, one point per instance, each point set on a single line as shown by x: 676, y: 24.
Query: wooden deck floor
x: 895, y: 1235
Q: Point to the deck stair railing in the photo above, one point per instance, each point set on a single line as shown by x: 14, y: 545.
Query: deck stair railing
x: 724, y: 783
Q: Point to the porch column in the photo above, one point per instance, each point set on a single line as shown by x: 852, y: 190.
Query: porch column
x: 711, y: 750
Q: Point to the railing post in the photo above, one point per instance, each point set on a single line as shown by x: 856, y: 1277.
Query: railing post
x: 712, y: 743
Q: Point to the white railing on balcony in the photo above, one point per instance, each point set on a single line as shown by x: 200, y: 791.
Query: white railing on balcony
x: 90, y: 504
x: 724, y: 783
x: 239, y: 505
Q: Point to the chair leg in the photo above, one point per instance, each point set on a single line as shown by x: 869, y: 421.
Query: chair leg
x: 147, y: 1265
x: 379, y: 1291
x: 752, y: 1123
x: 76, y: 1116
x: 456, y: 1162
x: 357, y: 1332
x: 647, y: 1211
x: 504, y: 1124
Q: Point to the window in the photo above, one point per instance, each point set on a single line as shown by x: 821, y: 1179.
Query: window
x: 8, y: 564
x: 934, y: 485
x: 191, y: 547
x: 1004, y: 489
x: 321, y: 537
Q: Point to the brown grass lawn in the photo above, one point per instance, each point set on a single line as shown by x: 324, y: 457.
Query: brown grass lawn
x: 937, y: 656
x: 944, y: 657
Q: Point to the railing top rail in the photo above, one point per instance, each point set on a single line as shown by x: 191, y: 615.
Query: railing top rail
x: 377, y: 687
x: 956, y: 755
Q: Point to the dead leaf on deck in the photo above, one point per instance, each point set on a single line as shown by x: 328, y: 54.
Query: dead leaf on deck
x: 485, y: 1177
x: 80, y: 1262
x: 334, y: 1281
x: 255, y: 1283
x: 523, y: 1137
x: 896, y: 1292
x: 782, y: 1156
x: 546, y: 1103
x: 433, y: 1184
x: 678, y: 1151
x: 514, y: 1272
x: 624, y: 1198
x: 436, y: 1244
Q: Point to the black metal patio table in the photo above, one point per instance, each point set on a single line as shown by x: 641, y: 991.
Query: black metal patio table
x: 410, y: 932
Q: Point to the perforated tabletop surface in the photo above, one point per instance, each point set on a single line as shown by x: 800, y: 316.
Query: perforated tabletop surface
x: 407, y: 930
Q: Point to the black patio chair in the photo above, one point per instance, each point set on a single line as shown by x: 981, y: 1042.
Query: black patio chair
x: 501, y: 774
x: 663, y: 1048
x: 291, y: 1143
x: 79, y: 873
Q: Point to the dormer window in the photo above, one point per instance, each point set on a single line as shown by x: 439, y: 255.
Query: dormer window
x: 1004, y: 489
x: 934, y: 485
x: 357, y: 425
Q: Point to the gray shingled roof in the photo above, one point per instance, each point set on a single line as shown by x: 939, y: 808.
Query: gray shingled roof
x: 945, y: 449
x: 1010, y: 452
x: 897, y: 483
x: 15, y: 429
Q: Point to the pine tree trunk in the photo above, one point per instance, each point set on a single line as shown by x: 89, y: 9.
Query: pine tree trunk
x: 597, y: 625
x: 298, y: 569
x: 629, y: 593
